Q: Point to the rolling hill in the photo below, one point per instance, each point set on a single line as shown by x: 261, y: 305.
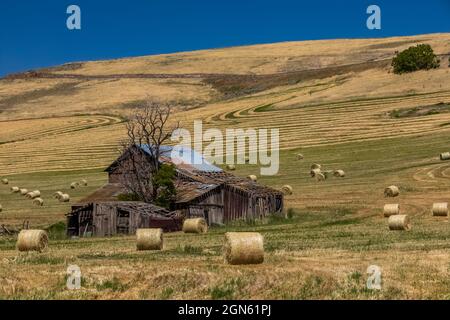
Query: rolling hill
x: 335, y: 101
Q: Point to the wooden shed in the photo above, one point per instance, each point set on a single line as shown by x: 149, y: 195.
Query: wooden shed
x: 244, y: 198
x: 221, y: 197
x: 112, y: 218
x: 102, y: 214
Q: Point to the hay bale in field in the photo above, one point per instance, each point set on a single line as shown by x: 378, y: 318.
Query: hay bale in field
x: 196, y: 225
x: 314, y: 172
x: 5, y: 181
x: 253, y: 177
x: 231, y: 167
x: 23, y: 191
x: 149, y: 239
x: 391, y: 209
x: 300, y: 156
x: 316, y: 166
x: 440, y: 209
x: 84, y: 182
x: 15, y: 189
x: 73, y: 185
x: 57, y: 195
x: 30, y: 195
x: 339, y: 173
x: 444, y: 156
x: 243, y: 248
x: 286, y: 189
x: 391, y: 191
x: 64, y: 198
x: 38, y: 202
x: 33, y: 194
x: 399, y: 222
x: 32, y: 240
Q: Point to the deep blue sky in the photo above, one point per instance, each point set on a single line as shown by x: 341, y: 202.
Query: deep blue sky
x: 33, y: 33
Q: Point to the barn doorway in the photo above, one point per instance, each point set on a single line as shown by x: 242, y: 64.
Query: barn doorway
x: 123, y: 222
x: 206, y: 215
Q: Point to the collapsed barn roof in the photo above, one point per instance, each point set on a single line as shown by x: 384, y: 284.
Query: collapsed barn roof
x: 243, y: 185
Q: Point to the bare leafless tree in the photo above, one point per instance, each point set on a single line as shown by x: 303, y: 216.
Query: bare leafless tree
x: 148, y: 127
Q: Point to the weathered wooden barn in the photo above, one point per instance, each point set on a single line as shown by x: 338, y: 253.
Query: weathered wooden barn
x: 101, y: 214
x: 206, y: 190
x: 227, y: 197
x: 113, y: 218
x: 203, y: 190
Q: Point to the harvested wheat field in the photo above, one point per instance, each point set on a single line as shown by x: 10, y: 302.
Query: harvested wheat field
x: 347, y: 111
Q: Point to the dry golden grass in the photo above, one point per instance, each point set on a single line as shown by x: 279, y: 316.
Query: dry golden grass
x: 56, y: 131
x: 57, y: 142
x: 331, y: 266
x: 96, y: 96
x: 266, y: 58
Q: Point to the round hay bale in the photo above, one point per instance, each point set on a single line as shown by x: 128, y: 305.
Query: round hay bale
x: 300, y: 156
x: 391, y: 209
x: 33, y: 194
x: 64, y: 198
x: 57, y: 195
x: 440, y: 209
x: 316, y: 166
x: 339, y: 173
x: 445, y: 156
x: 84, y: 182
x: 314, y: 172
x: 231, y: 167
x: 253, y: 177
x: 32, y: 240
x: 399, y: 222
x: 287, y: 189
x: 5, y: 181
x: 196, y: 225
x: 391, y: 191
x: 23, y: 191
x: 243, y: 248
x: 73, y: 185
x: 38, y: 202
x: 149, y: 239
x: 30, y: 195
x: 15, y: 189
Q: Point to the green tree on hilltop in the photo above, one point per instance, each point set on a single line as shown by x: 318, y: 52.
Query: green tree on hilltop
x: 420, y: 57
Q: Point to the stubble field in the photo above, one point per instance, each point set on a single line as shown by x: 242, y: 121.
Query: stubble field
x: 380, y: 128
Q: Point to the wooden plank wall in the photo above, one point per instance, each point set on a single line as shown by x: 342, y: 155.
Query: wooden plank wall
x: 236, y: 205
x: 105, y: 220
